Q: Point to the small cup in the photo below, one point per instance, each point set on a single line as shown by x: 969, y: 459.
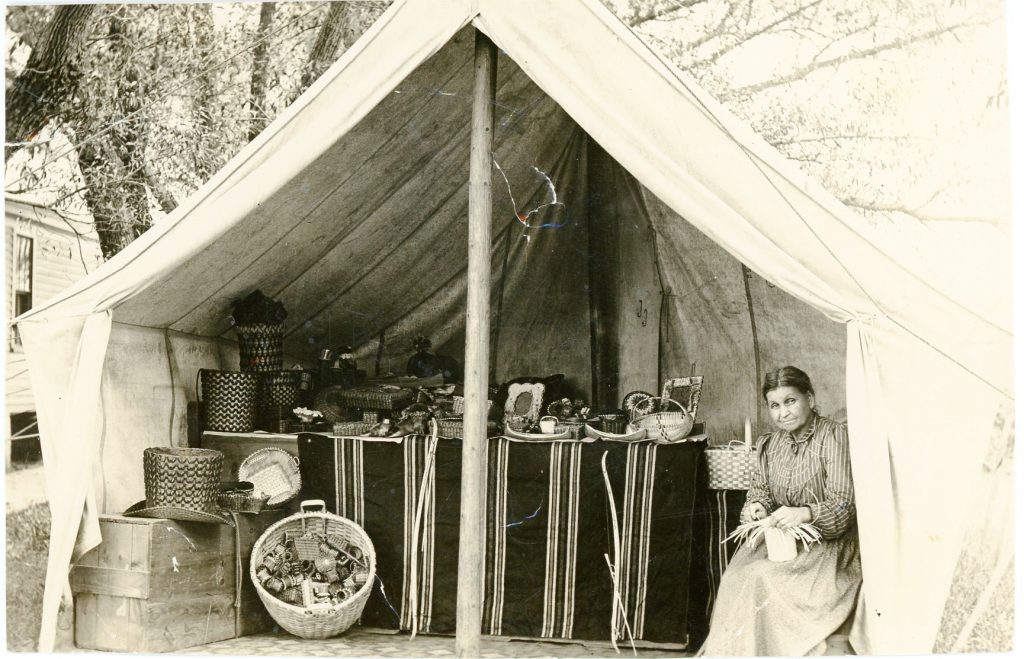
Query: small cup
x: 547, y: 424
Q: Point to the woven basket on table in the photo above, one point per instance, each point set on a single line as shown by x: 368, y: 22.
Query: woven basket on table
x: 459, y: 405
x: 274, y: 472
x: 575, y: 428
x: 351, y: 428
x: 260, y: 347
x: 729, y: 467
x: 324, y: 620
x: 668, y: 426
x: 230, y: 400
x: 281, y: 388
x: 450, y: 427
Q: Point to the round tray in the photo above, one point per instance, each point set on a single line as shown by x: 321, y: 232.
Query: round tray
x: 274, y: 472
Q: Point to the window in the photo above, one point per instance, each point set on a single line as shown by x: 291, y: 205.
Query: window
x: 23, y: 248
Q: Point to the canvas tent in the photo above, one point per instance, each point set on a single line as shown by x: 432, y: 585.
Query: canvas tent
x: 350, y: 208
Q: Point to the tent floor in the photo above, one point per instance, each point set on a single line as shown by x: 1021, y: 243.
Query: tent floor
x: 380, y: 643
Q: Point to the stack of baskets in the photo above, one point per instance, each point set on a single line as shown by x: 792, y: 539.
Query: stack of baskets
x: 662, y: 426
x: 327, y: 603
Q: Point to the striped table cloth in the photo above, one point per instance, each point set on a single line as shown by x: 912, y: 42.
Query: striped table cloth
x: 548, y: 530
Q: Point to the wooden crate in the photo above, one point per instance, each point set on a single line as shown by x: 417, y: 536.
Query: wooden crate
x: 156, y: 585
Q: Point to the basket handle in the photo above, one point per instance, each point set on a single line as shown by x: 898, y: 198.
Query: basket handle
x: 310, y: 503
x: 647, y: 401
x: 199, y: 395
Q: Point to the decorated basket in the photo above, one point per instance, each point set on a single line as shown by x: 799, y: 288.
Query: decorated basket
x: 230, y: 400
x: 450, y: 427
x: 319, y: 620
x: 351, y: 428
x: 373, y: 398
x: 667, y: 426
x: 281, y: 388
x: 260, y: 347
x: 241, y: 497
x: 729, y: 467
x: 274, y: 472
x: 181, y: 477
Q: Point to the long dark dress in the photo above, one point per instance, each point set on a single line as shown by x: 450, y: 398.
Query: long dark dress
x: 765, y: 608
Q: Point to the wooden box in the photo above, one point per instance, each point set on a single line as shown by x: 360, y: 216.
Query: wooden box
x: 157, y: 585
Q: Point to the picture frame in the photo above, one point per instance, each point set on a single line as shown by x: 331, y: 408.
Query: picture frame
x: 685, y: 391
x: 524, y: 400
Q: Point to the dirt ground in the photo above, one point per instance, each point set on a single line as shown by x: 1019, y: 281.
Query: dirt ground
x: 28, y: 535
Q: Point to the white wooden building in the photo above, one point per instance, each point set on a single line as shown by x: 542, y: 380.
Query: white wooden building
x: 44, y: 252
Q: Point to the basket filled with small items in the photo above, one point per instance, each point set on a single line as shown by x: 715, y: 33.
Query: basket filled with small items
x: 314, y: 571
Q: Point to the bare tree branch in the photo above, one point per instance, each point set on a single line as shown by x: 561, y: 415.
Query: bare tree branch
x: 653, y: 11
x: 863, y: 53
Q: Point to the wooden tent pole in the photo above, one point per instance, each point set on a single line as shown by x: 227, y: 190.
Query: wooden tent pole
x: 474, y: 445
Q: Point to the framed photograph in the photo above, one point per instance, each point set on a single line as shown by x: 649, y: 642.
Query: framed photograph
x: 524, y: 401
x: 685, y: 391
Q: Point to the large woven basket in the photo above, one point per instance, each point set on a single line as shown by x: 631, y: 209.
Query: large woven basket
x: 668, y: 426
x: 274, y: 472
x: 729, y: 467
x: 322, y: 621
x: 231, y: 400
x: 182, y: 477
x: 260, y: 347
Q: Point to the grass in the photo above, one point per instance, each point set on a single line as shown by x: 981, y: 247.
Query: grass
x: 28, y: 540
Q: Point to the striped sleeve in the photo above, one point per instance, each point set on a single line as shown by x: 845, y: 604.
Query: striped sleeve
x: 837, y: 512
x: 758, y: 491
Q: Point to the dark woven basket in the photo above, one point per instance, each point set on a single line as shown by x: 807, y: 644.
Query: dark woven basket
x: 281, y: 388
x: 260, y: 347
x: 231, y: 400
x: 182, y: 477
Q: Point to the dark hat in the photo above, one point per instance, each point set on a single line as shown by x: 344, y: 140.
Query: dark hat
x: 181, y: 484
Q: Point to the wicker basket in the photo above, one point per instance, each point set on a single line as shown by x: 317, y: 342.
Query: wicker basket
x: 272, y: 471
x: 281, y: 388
x: 459, y: 405
x: 372, y: 398
x: 241, y: 498
x: 575, y: 428
x: 230, y: 400
x: 351, y: 428
x: 451, y: 427
x: 729, y: 467
x: 324, y: 620
x: 181, y: 477
x: 260, y: 347
x: 662, y: 426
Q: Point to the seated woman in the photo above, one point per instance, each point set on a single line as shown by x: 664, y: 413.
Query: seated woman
x: 765, y: 608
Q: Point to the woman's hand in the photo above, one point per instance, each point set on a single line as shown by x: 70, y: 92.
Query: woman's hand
x: 752, y: 512
x: 787, y: 517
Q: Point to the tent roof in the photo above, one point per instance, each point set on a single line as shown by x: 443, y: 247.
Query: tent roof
x: 320, y: 191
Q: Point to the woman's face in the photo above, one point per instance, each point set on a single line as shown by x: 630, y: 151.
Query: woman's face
x: 790, y: 409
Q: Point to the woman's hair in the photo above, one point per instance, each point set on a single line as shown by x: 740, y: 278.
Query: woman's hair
x: 787, y: 376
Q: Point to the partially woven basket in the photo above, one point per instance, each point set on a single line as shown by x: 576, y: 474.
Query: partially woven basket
x: 274, y: 472
x: 321, y: 620
x: 668, y: 426
x: 182, y: 477
x: 230, y: 399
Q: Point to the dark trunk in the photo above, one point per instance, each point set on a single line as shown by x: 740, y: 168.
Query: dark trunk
x: 330, y: 38
x: 258, y: 86
x: 51, y: 75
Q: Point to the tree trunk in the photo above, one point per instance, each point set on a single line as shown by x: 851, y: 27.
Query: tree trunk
x: 41, y: 91
x: 258, y: 85
x: 206, y: 85
x: 112, y: 163
x: 325, y: 50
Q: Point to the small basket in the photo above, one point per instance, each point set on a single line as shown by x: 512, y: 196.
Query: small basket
x: 662, y: 426
x: 459, y: 405
x: 274, y: 472
x: 574, y: 428
x: 372, y: 398
x: 351, y: 428
x: 321, y: 620
x: 281, y: 388
x: 260, y: 347
x: 241, y: 498
x: 613, y: 424
x: 231, y: 399
x: 729, y: 467
x: 451, y: 427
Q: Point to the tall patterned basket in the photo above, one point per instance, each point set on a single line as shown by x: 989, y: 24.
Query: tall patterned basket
x: 231, y: 399
x: 182, y: 477
x: 320, y: 621
x: 729, y: 467
x: 260, y: 347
